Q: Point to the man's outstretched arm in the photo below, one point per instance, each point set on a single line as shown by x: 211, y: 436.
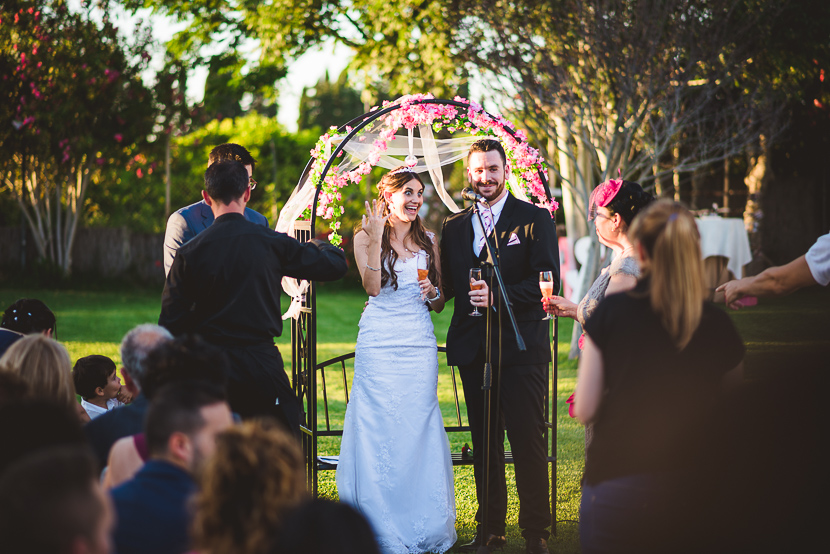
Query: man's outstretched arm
x: 774, y: 281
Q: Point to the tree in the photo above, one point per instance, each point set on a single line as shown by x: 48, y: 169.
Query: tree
x: 74, y: 103
x: 329, y: 104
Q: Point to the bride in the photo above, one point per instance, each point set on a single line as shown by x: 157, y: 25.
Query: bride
x: 395, y: 464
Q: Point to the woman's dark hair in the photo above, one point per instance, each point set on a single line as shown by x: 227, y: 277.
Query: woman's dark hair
x: 393, y: 182
x: 91, y: 372
x: 28, y: 315
x: 321, y: 526
x: 629, y: 200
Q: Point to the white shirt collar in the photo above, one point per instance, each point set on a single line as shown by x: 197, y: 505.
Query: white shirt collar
x: 495, y: 210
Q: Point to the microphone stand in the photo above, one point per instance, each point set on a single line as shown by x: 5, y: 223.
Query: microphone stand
x: 493, y: 260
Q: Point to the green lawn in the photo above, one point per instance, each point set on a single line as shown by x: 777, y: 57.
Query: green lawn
x: 93, y: 322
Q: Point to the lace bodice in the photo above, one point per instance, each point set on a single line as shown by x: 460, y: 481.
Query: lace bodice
x: 626, y: 265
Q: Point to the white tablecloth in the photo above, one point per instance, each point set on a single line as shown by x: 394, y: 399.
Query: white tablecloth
x: 725, y: 237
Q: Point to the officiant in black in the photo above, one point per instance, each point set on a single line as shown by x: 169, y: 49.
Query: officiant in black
x: 527, y: 245
x: 225, y: 285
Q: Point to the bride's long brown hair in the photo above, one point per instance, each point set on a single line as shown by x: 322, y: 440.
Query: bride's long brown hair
x: 393, y: 182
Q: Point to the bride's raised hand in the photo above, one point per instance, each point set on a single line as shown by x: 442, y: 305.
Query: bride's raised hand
x: 374, y: 221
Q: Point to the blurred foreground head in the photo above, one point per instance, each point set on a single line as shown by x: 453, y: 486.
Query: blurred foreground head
x: 253, y: 480
x: 44, y: 365
x: 52, y: 504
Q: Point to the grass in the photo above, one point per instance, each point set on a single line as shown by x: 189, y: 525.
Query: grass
x: 93, y: 322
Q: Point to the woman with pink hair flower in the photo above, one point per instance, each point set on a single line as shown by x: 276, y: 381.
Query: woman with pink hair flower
x: 612, y: 206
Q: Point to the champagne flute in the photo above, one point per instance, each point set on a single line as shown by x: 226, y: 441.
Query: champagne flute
x: 546, y: 285
x: 475, y: 275
x: 423, y: 267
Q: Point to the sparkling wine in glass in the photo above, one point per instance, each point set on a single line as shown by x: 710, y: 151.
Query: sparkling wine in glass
x: 546, y: 285
x: 423, y: 267
x: 475, y: 275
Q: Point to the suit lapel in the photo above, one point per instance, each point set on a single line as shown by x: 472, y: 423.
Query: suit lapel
x: 466, y: 239
x: 505, y: 220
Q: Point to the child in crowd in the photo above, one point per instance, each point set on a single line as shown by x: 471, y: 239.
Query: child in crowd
x: 97, y: 383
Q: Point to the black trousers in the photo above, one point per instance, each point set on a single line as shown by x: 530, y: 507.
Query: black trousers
x: 520, y: 410
x: 259, y: 387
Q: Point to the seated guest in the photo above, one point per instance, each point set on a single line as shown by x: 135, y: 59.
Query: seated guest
x: 52, y: 504
x: 28, y: 425
x: 24, y: 317
x: 191, y: 220
x: 152, y: 509
x: 653, y: 363
x: 45, y: 367
x: 181, y: 359
x: 98, y: 384
x: 129, y: 420
x: 253, y: 480
x: 321, y: 526
x: 127, y: 456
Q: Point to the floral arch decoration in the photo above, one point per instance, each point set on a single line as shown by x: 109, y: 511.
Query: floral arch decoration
x: 372, y: 140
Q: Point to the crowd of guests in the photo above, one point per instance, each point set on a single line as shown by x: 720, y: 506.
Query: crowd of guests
x: 157, y: 465
x: 196, y: 450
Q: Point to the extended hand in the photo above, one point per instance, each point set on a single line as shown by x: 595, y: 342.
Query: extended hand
x: 732, y: 293
x: 374, y: 221
x: 558, y: 306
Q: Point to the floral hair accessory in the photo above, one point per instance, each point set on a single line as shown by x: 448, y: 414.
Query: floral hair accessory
x: 404, y: 169
x: 603, y: 195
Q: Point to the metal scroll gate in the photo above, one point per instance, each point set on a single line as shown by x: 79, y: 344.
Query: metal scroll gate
x: 305, y: 366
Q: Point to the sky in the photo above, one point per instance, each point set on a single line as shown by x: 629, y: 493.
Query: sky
x: 303, y: 72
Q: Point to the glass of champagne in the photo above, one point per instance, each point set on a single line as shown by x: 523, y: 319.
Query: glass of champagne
x: 475, y: 275
x: 546, y: 285
x: 423, y: 267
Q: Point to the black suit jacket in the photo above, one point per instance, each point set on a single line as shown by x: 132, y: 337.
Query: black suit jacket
x: 225, y: 284
x: 534, y: 249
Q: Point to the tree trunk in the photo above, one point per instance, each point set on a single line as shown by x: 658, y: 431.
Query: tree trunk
x: 697, y: 189
x: 726, y: 185
x: 757, y: 177
x: 658, y: 182
x: 676, y: 174
x: 167, y: 176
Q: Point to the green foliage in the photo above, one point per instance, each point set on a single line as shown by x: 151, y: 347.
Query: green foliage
x: 329, y: 104
x: 281, y: 158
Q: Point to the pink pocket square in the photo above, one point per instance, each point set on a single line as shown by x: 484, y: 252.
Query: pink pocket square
x: 513, y: 240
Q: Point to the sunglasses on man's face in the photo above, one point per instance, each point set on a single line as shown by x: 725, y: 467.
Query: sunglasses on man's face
x: 251, y: 183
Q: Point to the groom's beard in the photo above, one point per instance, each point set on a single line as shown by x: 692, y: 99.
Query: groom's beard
x: 492, y: 185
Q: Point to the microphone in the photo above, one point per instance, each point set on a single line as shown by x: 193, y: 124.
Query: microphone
x: 471, y: 195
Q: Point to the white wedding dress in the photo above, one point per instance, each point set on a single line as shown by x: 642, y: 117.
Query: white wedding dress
x: 395, y: 464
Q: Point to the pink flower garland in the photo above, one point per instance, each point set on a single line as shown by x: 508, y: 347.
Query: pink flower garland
x: 522, y: 159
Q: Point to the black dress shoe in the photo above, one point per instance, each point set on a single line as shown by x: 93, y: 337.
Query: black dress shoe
x: 492, y: 542
x: 536, y: 546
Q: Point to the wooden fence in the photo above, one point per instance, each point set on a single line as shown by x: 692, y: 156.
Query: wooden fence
x: 104, y: 252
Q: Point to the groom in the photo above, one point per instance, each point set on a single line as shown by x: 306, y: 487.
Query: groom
x: 527, y: 245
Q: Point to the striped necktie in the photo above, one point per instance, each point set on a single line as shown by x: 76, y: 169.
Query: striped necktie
x: 487, y: 220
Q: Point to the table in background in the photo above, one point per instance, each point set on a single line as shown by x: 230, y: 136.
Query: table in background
x: 724, y: 245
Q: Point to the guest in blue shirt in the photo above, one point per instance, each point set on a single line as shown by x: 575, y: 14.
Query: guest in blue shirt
x: 187, y: 222
x: 153, y: 515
